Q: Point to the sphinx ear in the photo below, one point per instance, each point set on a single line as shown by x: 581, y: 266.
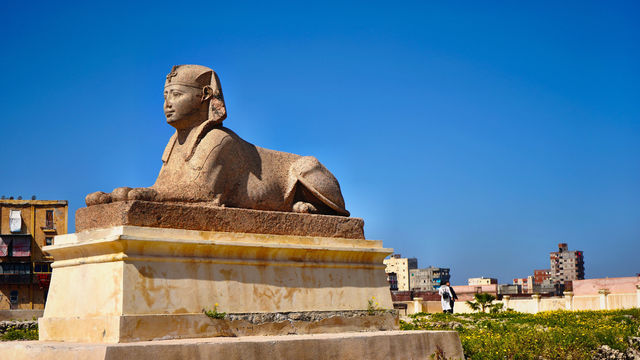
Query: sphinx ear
x: 217, y: 109
x: 207, y: 93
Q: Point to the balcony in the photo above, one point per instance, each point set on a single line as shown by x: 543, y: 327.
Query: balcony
x: 15, y: 245
x: 15, y: 278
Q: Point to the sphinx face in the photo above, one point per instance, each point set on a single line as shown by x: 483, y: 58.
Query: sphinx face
x: 183, y: 106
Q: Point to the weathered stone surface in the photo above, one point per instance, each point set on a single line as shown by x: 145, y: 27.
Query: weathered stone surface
x: 207, y: 162
x: 213, y: 218
x: 133, y: 328
x: 131, y: 283
x: 379, y: 345
x: 21, y: 314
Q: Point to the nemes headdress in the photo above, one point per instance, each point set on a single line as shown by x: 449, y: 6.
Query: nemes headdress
x: 203, y: 78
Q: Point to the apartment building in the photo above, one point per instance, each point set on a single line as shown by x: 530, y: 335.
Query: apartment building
x: 525, y: 283
x: 397, y: 269
x: 566, y: 265
x: 539, y: 276
x: 26, y: 226
x: 428, y: 279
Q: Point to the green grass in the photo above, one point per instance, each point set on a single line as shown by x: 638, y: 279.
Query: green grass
x: 549, y: 335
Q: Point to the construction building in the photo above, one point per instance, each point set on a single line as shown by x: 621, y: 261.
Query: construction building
x: 482, y: 281
x: 397, y: 269
x: 566, y: 265
x: 25, y: 270
x: 428, y: 279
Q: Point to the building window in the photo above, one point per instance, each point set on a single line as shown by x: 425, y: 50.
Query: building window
x: 49, y: 219
x: 15, y: 221
x: 13, y: 297
x: 48, y: 240
x: 42, y: 268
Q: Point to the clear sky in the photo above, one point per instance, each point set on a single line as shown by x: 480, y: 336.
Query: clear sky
x: 471, y: 135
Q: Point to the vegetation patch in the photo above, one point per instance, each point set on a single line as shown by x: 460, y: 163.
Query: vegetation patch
x: 18, y: 330
x: 214, y: 314
x: 548, y: 335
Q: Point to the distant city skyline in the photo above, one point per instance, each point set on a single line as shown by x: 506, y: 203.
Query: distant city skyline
x: 472, y: 136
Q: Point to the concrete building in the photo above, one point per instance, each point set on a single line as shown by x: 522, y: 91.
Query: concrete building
x: 509, y: 289
x: 482, y: 281
x: 548, y: 287
x: 525, y: 283
x: 25, y: 271
x: 566, y: 265
x: 428, y: 279
x: 399, y: 266
x: 539, y: 276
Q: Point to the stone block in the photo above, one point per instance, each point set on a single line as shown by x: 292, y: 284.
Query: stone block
x: 382, y: 345
x: 213, y: 218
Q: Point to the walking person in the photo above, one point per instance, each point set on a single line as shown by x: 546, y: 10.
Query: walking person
x: 454, y: 297
x: 446, y: 298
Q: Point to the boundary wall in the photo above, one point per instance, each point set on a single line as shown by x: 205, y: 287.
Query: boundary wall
x: 603, y: 300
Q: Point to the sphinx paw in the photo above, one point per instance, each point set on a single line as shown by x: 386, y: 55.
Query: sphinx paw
x: 304, y: 207
x: 146, y: 194
x: 97, y: 198
x: 120, y: 194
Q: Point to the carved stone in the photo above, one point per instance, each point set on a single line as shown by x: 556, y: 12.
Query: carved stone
x: 205, y: 162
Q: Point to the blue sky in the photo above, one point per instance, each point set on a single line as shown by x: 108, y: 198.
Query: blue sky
x: 471, y: 135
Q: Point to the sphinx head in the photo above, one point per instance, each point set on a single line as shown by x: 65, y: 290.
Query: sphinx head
x: 192, y: 95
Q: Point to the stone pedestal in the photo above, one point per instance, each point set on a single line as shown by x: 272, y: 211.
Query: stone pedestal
x: 130, y: 283
x: 568, y: 297
x: 130, y: 287
x: 536, y: 302
x: 417, y: 305
x: 505, y: 301
x: 603, y: 298
x: 383, y: 345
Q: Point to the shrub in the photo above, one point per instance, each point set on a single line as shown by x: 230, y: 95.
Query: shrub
x: 19, y: 334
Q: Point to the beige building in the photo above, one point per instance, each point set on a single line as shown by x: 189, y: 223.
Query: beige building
x: 398, y: 271
x: 25, y: 271
x: 482, y: 281
x: 526, y: 283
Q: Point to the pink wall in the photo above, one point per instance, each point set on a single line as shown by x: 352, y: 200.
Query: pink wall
x: 622, y: 285
x: 465, y: 292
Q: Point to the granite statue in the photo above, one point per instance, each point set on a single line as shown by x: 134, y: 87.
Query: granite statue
x: 205, y: 162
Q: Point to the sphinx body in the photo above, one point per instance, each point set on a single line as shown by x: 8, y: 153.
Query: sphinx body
x: 205, y: 162
x: 225, y: 170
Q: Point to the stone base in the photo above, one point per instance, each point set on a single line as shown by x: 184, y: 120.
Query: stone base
x: 132, y: 328
x: 387, y: 345
x: 130, y: 283
x: 201, y: 216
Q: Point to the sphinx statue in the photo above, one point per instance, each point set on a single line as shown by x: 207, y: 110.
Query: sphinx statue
x: 205, y: 162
